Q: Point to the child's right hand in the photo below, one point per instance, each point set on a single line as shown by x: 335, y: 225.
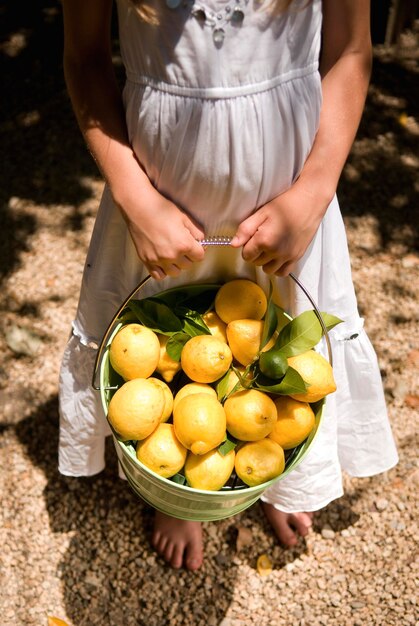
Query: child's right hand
x: 165, y: 238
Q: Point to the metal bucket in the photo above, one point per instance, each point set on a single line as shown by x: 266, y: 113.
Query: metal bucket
x: 164, y: 494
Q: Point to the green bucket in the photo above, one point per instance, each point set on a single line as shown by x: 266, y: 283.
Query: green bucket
x: 164, y: 494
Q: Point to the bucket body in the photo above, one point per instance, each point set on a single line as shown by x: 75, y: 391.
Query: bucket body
x: 179, y: 500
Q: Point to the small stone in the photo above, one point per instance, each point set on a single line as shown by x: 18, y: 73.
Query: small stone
x: 328, y: 533
x: 381, y: 504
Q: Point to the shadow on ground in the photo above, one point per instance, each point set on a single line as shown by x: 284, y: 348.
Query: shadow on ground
x: 109, y: 572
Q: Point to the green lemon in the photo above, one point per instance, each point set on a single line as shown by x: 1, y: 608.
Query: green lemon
x: 273, y: 364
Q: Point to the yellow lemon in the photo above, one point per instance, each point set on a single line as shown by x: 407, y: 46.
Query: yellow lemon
x: 250, y: 414
x: 294, y: 423
x: 200, y: 422
x: 134, y: 352
x: 259, y: 461
x: 244, y: 337
x: 317, y: 372
x: 215, y: 325
x: 191, y: 388
x: 168, y: 398
x: 205, y: 358
x: 136, y: 408
x: 209, y: 471
x: 240, y: 299
x: 166, y: 366
x: 162, y: 452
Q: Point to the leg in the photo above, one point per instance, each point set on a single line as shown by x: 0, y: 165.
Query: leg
x: 287, y: 525
x: 178, y: 541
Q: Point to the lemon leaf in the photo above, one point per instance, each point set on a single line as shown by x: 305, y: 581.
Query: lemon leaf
x: 330, y: 321
x: 221, y: 386
x: 179, y: 479
x: 301, y: 334
x: 228, y: 444
x: 175, y: 345
x: 292, y: 382
x: 155, y: 315
x: 270, y: 321
x: 195, y: 297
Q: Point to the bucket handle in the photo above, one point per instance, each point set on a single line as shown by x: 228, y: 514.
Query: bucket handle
x: 209, y: 241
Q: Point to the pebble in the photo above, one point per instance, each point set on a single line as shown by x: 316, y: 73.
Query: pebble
x: 381, y: 504
x: 328, y: 533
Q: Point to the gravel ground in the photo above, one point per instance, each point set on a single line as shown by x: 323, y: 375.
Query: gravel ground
x: 79, y: 548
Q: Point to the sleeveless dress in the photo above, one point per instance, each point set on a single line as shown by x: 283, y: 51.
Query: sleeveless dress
x: 222, y: 103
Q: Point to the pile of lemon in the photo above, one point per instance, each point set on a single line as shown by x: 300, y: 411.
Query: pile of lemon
x: 183, y: 429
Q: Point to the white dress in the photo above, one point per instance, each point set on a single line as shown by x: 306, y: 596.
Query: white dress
x: 222, y: 113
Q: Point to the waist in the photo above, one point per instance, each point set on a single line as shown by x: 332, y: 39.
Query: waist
x: 219, y: 92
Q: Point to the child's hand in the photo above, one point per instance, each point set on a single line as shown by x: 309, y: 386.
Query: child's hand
x: 165, y: 238
x: 277, y: 235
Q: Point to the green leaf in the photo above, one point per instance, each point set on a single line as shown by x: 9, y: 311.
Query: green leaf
x: 228, y: 444
x: 179, y: 479
x: 330, y: 321
x: 196, y: 297
x: 270, y: 322
x: 299, y: 335
x: 175, y: 345
x: 156, y: 315
x: 290, y: 384
x: 222, y: 386
x: 193, y: 324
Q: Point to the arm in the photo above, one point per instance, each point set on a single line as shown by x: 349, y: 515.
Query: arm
x: 278, y: 234
x: 163, y: 235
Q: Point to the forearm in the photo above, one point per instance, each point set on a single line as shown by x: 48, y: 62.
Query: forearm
x: 98, y: 108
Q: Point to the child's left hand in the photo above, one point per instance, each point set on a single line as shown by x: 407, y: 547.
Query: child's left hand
x: 277, y: 235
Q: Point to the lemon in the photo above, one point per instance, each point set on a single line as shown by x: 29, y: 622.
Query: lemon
x: 215, y: 325
x: 259, y: 461
x: 191, y: 388
x: 162, y: 452
x: 134, y: 352
x: 317, y: 372
x: 205, y: 358
x: 250, y: 414
x: 136, y: 408
x: 200, y: 422
x: 168, y: 398
x: 209, y: 471
x: 240, y: 299
x: 244, y: 337
x: 166, y: 366
x: 294, y: 423
x: 273, y: 364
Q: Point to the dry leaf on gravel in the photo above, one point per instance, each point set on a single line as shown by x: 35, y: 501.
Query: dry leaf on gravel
x: 244, y: 537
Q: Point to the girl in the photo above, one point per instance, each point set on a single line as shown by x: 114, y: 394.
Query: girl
x: 231, y: 122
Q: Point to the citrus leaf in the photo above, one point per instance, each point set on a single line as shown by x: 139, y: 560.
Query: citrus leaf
x: 175, y: 345
x: 301, y: 334
x: 228, y: 444
x: 270, y: 322
x: 330, y: 321
x: 195, y: 297
x: 156, y: 315
x: 222, y: 386
x: 179, y: 479
x: 193, y: 324
x: 291, y: 383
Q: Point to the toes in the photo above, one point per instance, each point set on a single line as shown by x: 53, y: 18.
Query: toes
x: 302, y: 523
x: 176, y: 557
x: 194, y: 557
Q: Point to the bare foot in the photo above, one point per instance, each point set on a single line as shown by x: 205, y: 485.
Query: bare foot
x: 178, y: 541
x: 286, y: 525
